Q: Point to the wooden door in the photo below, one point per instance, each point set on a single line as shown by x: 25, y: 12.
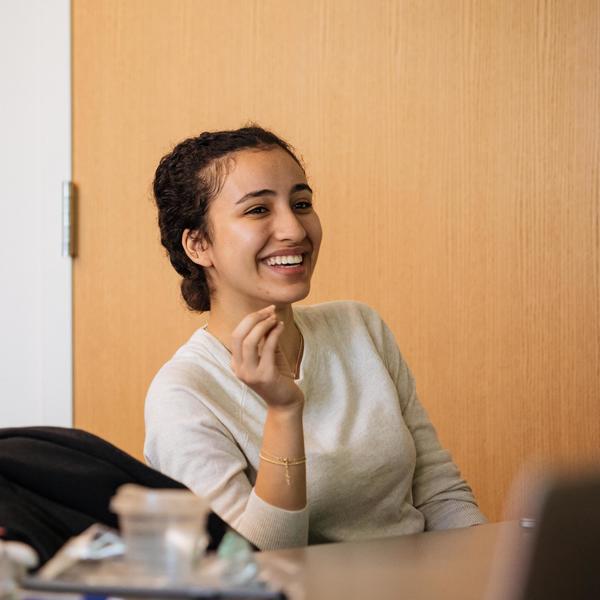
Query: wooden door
x: 454, y: 150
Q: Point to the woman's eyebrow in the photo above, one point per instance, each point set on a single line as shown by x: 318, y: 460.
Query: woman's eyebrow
x: 300, y: 187
x: 266, y: 192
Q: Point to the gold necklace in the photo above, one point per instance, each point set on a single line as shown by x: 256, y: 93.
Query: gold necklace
x: 299, y: 357
x: 293, y: 373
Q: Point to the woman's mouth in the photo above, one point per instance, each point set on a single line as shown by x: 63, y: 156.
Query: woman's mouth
x: 289, y: 264
x: 291, y: 260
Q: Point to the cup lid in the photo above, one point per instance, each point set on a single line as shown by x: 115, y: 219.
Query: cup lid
x: 136, y: 499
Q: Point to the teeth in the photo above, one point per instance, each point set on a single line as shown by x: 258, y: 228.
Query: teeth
x: 294, y: 259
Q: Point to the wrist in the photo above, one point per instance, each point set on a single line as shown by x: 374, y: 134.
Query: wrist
x: 286, y: 411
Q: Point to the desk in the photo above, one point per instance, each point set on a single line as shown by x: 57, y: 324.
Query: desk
x: 437, y: 565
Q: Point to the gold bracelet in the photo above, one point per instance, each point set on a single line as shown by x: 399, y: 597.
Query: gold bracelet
x: 283, y: 461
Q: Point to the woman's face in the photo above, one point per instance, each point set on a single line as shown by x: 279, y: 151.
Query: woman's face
x: 264, y: 233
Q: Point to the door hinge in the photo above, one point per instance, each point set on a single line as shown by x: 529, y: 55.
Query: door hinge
x: 68, y: 219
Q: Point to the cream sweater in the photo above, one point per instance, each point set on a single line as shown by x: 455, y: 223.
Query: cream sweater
x: 374, y: 464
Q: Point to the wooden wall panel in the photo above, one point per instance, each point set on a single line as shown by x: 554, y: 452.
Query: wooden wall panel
x: 454, y: 150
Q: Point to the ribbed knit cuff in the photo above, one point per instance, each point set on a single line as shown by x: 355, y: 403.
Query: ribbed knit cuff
x: 452, y: 515
x: 269, y: 527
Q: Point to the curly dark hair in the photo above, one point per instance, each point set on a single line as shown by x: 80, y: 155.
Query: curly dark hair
x: 186, y: 181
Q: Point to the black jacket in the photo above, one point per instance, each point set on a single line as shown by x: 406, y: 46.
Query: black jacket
x: 56, y: 482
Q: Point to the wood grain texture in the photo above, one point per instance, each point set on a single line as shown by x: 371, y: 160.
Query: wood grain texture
x: 454, y: 150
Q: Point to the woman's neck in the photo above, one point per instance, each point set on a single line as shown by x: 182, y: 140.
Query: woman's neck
x: 222, y: 322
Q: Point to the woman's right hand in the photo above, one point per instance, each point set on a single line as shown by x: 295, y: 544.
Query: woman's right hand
x: 258, y: 361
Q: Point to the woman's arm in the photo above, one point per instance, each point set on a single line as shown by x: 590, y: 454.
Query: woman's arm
x: 259, y: 363
x: 187, y: 441
x: 439, y: 491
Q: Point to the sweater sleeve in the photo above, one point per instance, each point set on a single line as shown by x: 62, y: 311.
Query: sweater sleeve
x: 439, y: 491
x: 186, y: 441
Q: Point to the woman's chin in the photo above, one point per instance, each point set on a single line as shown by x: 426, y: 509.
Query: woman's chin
x: 288, y: 296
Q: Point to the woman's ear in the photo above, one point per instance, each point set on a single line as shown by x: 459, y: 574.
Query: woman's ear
x: 196, y: 247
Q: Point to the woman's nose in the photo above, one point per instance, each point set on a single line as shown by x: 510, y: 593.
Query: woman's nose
x: 287, y: 226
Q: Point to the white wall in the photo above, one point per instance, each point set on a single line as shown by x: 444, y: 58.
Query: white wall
x: 35, y: 157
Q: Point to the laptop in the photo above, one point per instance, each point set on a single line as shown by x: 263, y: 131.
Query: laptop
x: 555, y: 553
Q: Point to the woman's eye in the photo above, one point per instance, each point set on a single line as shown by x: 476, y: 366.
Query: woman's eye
x: 256, y: 210
x: 303, y: 205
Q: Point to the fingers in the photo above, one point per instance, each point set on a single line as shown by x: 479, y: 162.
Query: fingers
x: 253, y: 343
x: 271, y: 355
x: 248, y: 336
x: 257, y: 359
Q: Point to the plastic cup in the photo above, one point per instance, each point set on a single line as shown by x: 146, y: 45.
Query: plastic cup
x: 164, y: 530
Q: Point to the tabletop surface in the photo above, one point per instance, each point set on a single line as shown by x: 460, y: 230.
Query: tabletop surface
x: 448, y: 565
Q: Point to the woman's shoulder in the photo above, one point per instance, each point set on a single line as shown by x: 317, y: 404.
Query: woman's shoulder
x: 348, y: 323
x: 343, y: 321
x: 199, y: 362
x: 342, y: 311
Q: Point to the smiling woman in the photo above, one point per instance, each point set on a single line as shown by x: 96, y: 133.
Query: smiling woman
x: 298, y: 424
